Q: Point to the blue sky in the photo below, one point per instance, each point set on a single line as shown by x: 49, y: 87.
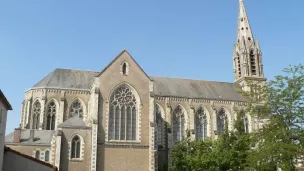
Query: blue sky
x: 187, y: 39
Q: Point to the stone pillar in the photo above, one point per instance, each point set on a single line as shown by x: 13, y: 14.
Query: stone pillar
x: 192, y: 122
x: 61, y: 109
x: 94, y: 116
x: 29, y: 111
x: 58, y: 148
x: 233, y: 116
x: 214, y: 120
x: 169, y: 129
x: 152, y: 145
x: 42, y: 109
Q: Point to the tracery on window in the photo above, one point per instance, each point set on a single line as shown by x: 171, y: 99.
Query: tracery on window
x: 75, y: 149
x: 221, y: 121
x: 160, y: 125
x: 36, y: 115
x: 76, y: 109
x: 178, y: 123
x: 201, y: 124
x: 51, y: 116
x: 123, y: 115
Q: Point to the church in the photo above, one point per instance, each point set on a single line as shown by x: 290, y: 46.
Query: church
x: 121, y: 118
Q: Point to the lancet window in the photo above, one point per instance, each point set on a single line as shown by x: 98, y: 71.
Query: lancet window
x: 201, y: 124
x: 221, y: 121
x: 178, y: 123
x: 36, y: 115
x: 51, y: 116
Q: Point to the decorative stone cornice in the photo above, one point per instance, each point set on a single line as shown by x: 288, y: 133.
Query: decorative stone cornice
x: 137, y: 146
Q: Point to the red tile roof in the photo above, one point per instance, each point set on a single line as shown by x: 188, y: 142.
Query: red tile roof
x: 6, y: 149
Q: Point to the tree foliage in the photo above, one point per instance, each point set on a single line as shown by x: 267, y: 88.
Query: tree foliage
x: 278, y: 112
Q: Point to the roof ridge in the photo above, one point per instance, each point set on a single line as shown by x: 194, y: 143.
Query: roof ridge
x: 191, y: 79
x: 77, y: 69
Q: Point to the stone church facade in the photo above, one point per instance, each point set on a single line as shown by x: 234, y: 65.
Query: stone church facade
x: 123, y: 119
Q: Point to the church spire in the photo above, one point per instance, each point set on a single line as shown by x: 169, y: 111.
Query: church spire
x: 244, y: 29
x: 247, y: 55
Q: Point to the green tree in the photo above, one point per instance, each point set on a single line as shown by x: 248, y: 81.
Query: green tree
x: 279, y: 142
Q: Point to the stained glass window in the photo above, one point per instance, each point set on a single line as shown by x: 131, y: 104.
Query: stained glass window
x: 123, y: 115
x: 178, y: 123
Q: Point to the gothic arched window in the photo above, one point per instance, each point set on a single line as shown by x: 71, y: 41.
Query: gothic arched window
x: 51, y: 116
x: 246, y: 125
x: 76, y: 109
x: 37, y: 155
x: 252, y: 62
x: 36, y: 115
x: 221, y: 121
x: 178, y: 123
x: 75, y: 149
x: 124, y: 68
x: 123, y: 114
x: 160, y: 125
x: 47, y: 156
x: 201, y: 124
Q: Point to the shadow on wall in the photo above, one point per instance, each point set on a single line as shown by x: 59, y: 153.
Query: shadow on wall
x: 100, y: 136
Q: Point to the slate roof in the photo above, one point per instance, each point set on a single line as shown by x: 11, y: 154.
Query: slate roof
x: 73, y: 122
x: 163, y: 86
x: 68, y: 79
x: 41, y: 137
x: 196, y: 89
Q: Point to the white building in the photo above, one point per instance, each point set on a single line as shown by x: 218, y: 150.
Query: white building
x: 4, y: 107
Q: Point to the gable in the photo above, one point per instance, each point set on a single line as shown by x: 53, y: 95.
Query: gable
x: 124, y: 54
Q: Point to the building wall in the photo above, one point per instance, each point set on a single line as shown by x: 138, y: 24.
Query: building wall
x: 75, y: 165
x: 31, y: 150
x: 3, y: 115
x: 127, y: 159
x: 14, y: 162
x: 135, y: 154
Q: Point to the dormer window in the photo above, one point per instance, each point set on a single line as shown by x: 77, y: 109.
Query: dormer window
x: 124, y: 68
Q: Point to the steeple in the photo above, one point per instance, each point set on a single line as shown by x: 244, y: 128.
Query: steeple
x: 247, y: 56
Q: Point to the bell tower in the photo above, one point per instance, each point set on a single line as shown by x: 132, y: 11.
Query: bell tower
x: 247, y: 55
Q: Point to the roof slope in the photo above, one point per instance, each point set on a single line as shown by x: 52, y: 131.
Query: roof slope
x: 68, y: 79
x: 163, y: 86
x: 73, y: 122
x: 41, y: 137
x: 198, y: 89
